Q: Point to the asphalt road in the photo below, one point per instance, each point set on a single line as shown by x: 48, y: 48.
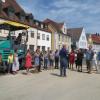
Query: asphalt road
x: 47, y: 85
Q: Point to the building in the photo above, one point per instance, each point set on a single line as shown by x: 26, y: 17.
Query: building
x: 59, y: 34
x: 10, y: 10
x: 78, y: 38
x: 43, y: 36
x: 94, y: 40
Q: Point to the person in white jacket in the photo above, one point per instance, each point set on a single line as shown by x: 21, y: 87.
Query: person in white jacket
x: 95, y: 60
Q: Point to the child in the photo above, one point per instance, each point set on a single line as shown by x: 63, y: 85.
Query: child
x: 10, y: 62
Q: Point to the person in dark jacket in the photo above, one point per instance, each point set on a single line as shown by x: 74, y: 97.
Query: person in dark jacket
x: 79, y: 60
x: 63, y: 61
x: 56, y: 59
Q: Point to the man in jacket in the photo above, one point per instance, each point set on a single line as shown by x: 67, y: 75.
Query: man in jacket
x: 89, y: 58
x: 63, y: 61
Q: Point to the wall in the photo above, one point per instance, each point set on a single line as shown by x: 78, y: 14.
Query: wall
x: 83, y: 41
x: 45, y: 43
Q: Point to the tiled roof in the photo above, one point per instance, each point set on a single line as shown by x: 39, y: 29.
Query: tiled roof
x: 56, y: 25
x: 95, y: 38
x: 17, y: 8
x: 75, y: 33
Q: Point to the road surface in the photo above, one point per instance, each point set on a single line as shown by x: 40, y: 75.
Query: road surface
x: 47, y: 85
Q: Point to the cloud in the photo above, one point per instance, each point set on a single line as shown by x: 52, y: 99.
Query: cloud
x: 75, y: 13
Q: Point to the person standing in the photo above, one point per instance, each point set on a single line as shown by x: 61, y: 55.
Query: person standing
x: 40, y: 62
x: 45, y: 60
x: 72, y: 59
x: 51, y: 55
x: 28, y: 61
x: 0, y: 60
x: 63, y: 61
x: 79, y: 60
x: 89, y: 59
x: 37, y: 59
x: 10, y: 62
x: 98, y: 64
x: 95, y: 60
x: 15, y: 66
x: 56, y: 59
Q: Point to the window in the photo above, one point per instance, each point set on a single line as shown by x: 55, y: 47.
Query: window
x: 47, y: 37
x: 43, y: 48
x: 42, y: 26
x: 43, y: 36
x: 37, y: 23
x: 22, y: 18
x: 38, y: 36
x: 46, y: 26
x: 59, y: 37
x: 62, y: 38
x: 38, y: 47
x: 0, y: 31
x: 31, y: 47
x: 64, y: 30
x: 59, y: 47
x: 83, y: 38
x: 32, y: 34
x: 11, y: 14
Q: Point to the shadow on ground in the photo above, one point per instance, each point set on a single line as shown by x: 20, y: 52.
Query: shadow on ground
x: 54, y: 74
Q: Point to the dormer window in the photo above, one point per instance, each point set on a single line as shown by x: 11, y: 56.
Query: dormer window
x: 42, y: 26
x: 30, y: 18
x: 22, y: 18
x: 46, y: 26
x: 10, y: 11
x: 37, y: 23
x: 21, y: 15
x: 3, y: 1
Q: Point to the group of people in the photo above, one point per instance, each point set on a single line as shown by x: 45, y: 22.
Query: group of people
x: 60, y: 59
x: 38, y: 60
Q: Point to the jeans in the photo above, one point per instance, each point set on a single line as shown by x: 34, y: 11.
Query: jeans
x: 56, y: 62
x: 45, y: 63
x: 89, y: 65
x: 51, y: 62
x: 10, y: 68
x: 63, y: 66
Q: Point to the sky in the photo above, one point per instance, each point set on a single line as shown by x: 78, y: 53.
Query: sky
x: 75, y: 13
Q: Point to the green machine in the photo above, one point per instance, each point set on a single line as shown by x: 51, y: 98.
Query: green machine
x: 10, y: 43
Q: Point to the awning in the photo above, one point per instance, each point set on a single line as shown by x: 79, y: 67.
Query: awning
x: 10, y: 25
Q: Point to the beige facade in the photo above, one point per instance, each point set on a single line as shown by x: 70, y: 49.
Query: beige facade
x: 59, y: 38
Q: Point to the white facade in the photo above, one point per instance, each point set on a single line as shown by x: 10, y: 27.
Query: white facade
x: 83, y: 43
x: 43, y: 40
x: 3, y: 33
x: 32, y: 38
x: 96, y: 47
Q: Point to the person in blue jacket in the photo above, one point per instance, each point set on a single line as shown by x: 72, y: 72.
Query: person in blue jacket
x: 63, y: 61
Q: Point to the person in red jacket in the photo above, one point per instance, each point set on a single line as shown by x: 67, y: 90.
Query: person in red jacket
x: 72, y: 59
x: 28, y: 61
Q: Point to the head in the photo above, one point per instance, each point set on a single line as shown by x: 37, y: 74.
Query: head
x: 90, y: 47
x: 50, y: 51
x: 57, y: 50
x: 45, y: 52
x: 11, y: 54
x: 28, y: 51
x: 79, y: 50
x: 37, y: 50
x: 64, y: 46
x: 15, y: 50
